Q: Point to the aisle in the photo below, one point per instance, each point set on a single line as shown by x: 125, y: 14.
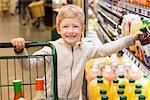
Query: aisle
x: 10, y: 28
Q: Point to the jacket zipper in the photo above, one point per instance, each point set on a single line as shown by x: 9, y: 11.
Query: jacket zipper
x: 71, y: 72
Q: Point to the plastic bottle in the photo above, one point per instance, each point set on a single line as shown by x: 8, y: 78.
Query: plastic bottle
x: 18, y: 90
x: 94, y: 88
x: 39, y: 89
x: 113, y: 89
x: 119, y: 94
x: 131, y: 89
x: 123, y: 80
x: 142, y: 97
x: 137, y: 94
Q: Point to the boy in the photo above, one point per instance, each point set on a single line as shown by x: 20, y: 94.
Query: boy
x: 72, y: 52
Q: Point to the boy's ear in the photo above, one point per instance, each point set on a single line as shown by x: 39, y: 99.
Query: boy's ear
x: 58, y: 29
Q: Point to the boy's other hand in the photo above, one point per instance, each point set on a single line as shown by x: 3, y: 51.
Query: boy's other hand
x: 137, y: 36
x: 18, y: 43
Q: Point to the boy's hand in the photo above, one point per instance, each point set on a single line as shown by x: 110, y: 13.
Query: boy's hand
x: 137, y: 36
x: 18, y: 43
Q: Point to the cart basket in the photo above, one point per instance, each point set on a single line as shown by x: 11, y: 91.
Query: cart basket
x: 54, y: 91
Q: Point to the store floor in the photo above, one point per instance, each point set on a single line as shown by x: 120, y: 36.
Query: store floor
x: 10, y: 27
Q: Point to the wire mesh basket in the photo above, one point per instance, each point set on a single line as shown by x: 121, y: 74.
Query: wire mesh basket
x: 11, y: 68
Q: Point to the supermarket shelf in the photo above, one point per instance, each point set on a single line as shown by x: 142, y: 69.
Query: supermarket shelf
x: 105, y: 32
x: 143, y: 11
x: 140, y: 64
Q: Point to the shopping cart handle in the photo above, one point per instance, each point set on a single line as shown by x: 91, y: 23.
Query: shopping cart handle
x: 9, y: 45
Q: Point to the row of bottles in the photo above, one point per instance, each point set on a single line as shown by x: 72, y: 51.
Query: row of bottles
x: 18, y: 92
x: 145, y: 3
x: 112, y: 74
x: 130, y: 89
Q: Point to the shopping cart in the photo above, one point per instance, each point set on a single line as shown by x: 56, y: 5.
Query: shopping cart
x: 37, y: 12
x: 10, y: 69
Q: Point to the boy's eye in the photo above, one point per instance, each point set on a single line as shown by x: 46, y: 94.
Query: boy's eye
x: 65, y: 26
x: 76, y: 26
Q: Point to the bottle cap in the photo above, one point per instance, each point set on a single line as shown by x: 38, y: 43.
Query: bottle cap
x: 131, y: 81
x: 39, y: 84
x: 99, y: 81
x: 141, y: 97
x: 143, y: 29
x: 148, y: 23
x: 121, y: 86
x: 123, y: 97
x: 103, y: 91
x: 137, y: 91
x: 121, y: 76
x: 17, y: 85
x: 120, y: 92
x: 138, y: 85
x: 116, y: 81
x: 99, y: 76
x: 104, y: 97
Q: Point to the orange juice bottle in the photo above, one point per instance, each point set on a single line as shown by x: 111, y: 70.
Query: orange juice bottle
x: 137, y: 94
x: 123, y: 80
x: 94, y: 88
x: 113, y: 89
x: 131, y: 89
x: 106, y: 83
x: 119, y: 94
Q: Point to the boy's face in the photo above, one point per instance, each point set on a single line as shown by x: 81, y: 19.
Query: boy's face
x: 70, y: 30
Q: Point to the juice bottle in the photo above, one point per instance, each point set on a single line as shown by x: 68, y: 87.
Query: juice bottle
x: 142, y: 97
x: 131, y: 89
x: 18, y: 90
x: 137, y: 94
x: 107, y: 83
x: 119, y: 94
x: 123, y: 80
x: 113, y: 89
x: 92, y: 86
x: 121, y: 71
x: 39, y: 89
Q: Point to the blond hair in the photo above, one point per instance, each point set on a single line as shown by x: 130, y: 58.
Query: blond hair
x: 70, y: 11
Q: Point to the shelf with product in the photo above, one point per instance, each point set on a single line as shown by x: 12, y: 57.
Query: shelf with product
x: 111, y: 30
